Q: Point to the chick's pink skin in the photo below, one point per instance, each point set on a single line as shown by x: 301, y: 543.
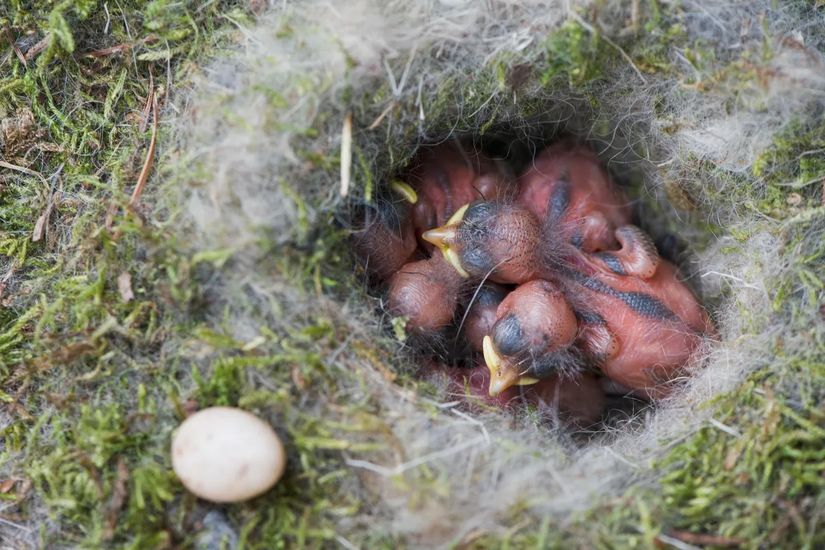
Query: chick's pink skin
x: 425, y: 291
x: 448, y: 176
x: 579, y: 402
x: 546, y: 320
x: 481, y: 315
x: 643, y: 350
x: 595, y: 207
x: 649, y: 352
x: 384, y: 250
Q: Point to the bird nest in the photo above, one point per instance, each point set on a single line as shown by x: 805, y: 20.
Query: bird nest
x: 306, y: 141
x: 709, y: 115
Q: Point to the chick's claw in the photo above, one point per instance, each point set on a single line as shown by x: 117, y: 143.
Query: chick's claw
x: 637, y: 257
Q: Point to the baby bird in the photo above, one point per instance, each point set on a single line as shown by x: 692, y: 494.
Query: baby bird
x: 578, y: 402
x: 508, y: 243
x: 426, y: 292
x: 532, y: 337
x: 640, y: 331
x: 638, y: 321
x: 481, y: 314
x: 386, y: 241
x: 445, y: 177
x: 496, y: 240
x: 568, y: 187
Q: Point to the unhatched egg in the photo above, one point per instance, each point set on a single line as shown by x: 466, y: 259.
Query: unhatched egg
x: 224, y: 454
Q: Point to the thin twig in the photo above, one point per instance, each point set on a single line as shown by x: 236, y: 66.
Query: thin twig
x: 10, y: 166
x: 150, y: 154
x: 145, y: 119
x: 124, y: 47
x: 14, y: 47
x: 35, y: 50
x: 383, y: 114
x: 705, y: 539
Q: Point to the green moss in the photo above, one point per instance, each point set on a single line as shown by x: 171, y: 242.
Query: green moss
x: 573, y: 53
x: 793, y: 169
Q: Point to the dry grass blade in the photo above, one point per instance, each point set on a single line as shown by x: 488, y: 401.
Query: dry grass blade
x: 383, y: 115
x: 14, y: 47
x: 122, y: 48
x: 150, y: 154
x: 145, y: 118
x: 705, y: 539
x: 38, y: 48
x: 117, y: 500
x: 346, y: 154
x: 16, y: 168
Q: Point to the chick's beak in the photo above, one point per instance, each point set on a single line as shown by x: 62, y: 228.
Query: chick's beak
x: 445, y: 236
x: 503, y: 374
x: 441, y: 237
x: 405, y: 190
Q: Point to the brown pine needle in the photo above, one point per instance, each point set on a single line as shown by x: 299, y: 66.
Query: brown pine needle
x: 150, y: 154
x: 145, y: 119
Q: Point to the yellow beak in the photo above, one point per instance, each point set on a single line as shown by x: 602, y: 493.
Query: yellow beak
x: 503, y: 374
x: 404, y: 189
x: 441, y: 237
x: 444, y: 236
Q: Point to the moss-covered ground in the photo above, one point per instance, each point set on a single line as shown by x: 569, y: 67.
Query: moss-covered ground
x: 103, y: 349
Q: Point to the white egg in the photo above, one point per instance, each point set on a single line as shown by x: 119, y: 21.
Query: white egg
x: 224, y: 454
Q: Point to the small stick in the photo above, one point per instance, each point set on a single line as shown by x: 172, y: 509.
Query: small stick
x: 10, y: 166
x: 35, y: 50
x: 150, y: 154
x: 112, y: 50
x: 145, y: 120
x: 383, y: 114
x: 14, y: 47
x: 122, y: 48
x: 705, y: 539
